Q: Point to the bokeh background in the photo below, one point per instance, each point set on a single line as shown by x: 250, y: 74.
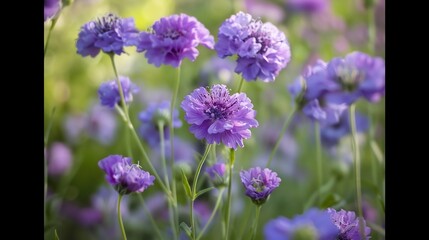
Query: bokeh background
x: 81, y: 205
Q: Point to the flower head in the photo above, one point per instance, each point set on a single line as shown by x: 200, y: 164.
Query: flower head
x: 51, y: 8
x: 174, y: 38
x: 59, y: 159
x: 315, y: 88
x: 124, y: 176
x: 261, y: 48
x: 313, y: 224
x: 110, y: 34
x: 348, y: 224
x: 216, y: 116
x: 150, y: 119
x: 357, y: 75
x: 217, y: 174
x: 259, y: 183
x: 109, y: 92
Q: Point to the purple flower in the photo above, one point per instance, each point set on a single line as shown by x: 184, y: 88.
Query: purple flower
x: 308, y: 6
x: 259, y: 184
x: 109, y: 92
x: 348, y: 224
x: 51, y: 8
x: 217, y: 174
x: 101, y: 124
x: 314, y: 104
x: 124, y: 176
x: 357, y: 75
x: 313, y: 224
x: 261, y: 48
x: 265, y: 9
x: 59, y: 159
x: 218, y: 117
x: 150, y: 118
x: 174, y: 38
x: 109, y: 34
x: 331, y: 134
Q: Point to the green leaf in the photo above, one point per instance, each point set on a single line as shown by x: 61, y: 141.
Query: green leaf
x: 187, y: 229
x: 186, y: 185
x: 332, y: 200
x: 56, y: 235
x: 323, y: 190
x: 202, y: 192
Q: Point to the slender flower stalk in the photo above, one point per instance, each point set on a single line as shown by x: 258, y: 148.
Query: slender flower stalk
x: 194, y: 188
x: 228, y: 204
x: 241, y: 85
x: 318, y: 158
x: 121, y: 224
x: 356, y: 156
x: 53, y: 23
x: 218, y: 201
x: 282, y: 133
x: 129, y: 124
x: 255, y: 223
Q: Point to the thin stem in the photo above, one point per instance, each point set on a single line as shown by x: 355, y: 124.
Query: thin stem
x: 228, y: 204
x: 241, y: 85
x: 124, y: 236
x: 171, y: 162
x: 372, y: 30
x: 53, y: 22
x: 214, y: 152
x: 46, y: 140
x: 128, y: 122
x: 219, y: 198
x: 255, y: 223
x: 155, y: 226
x: 282, y: 133
x: 355, y: 146
x: 163, y: 162
x: 194, y: 188
x: 319, y: 159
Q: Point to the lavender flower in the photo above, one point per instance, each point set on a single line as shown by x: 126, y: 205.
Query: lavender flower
x: 261, y: 48
x: 308, y: 6
x: 331, y: 134
x: 150, y: 118
x: 313, y: 224
x: 218, y: 117
x: 217, y: 174
x: 357, y: 75
x: 348, y: 224
x: 51, y: 8
x: 259, y: 184
x: 109, y: 34
x: 109, y: 92
x: 174, y: 38
x: 124, y: 176
x: 313, y: 102
x: 59, y: 159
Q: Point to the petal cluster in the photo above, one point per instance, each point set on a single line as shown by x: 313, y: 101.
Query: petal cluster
x: 259, y: 183
x: 108, y: 92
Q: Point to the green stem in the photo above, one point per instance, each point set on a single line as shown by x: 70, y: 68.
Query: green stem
x: 126, y: 118
x: 53, y: 22
x: 372, y: 30
x: 219, y: 198
x: 355, y: 146
x: 121, y: 224
x: 282, y: 133
x: 194, y: 188
x: 241, y: 85
x: 46, y: 140
x: 319, y: 159
x: 228, y: 204
x: 255, y: 223
x: 171, y: 162
x: 155, y: 226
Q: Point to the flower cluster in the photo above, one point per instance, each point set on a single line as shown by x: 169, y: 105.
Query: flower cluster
x: 174, y: 38
x: 124, y: 176
x: 109, y: 92
x: 259, y: 184
x: 110, y: 34
x: 261, y: 48
x: 217, y: 117
x: 348, y: 224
